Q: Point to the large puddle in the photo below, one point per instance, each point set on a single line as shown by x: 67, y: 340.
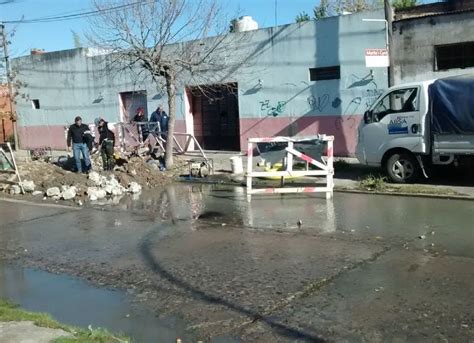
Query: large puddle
x: 73, y: 301
x: 200, y: 206
x: 444, y: 225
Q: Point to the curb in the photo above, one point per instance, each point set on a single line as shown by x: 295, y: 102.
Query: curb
x: 355, y: 191
x: 415, y: 195
x: 33, y: 203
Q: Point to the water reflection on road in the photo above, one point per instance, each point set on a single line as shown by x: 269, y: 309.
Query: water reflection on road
x: 194, y: 206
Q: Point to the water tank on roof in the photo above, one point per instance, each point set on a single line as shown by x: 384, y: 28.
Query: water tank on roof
x: 245, y: 23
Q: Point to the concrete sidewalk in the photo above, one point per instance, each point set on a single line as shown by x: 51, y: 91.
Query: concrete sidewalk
x: 28, y: 332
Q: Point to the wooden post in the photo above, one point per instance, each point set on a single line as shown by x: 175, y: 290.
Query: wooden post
x: 330, y: 166
x: 249, y: 168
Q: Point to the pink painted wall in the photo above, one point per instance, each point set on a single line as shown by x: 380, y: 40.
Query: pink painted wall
x: 34, y: 137
x: 344, y: 129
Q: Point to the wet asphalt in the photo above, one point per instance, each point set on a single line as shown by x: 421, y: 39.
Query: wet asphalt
x: 362, y: 268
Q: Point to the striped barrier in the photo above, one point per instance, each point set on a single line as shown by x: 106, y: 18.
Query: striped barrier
x: 324, y: 168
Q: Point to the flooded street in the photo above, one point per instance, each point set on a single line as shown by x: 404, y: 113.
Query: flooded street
x: 75, y: 302
x: 201, y: 262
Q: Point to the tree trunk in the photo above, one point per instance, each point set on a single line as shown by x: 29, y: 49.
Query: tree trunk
x: 171, y: 90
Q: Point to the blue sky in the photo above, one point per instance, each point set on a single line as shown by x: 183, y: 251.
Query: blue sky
x: 58, y: 36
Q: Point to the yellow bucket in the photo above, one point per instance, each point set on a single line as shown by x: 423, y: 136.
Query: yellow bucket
x: 279, y: 167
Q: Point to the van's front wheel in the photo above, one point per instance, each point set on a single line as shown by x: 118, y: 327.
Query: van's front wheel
x: 402, y: 168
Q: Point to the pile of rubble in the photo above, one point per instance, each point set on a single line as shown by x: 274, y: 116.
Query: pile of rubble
x: 103, y: 186
x: 53, y: 181
x: 109, y: 186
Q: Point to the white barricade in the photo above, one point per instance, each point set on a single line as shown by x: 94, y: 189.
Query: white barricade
x: 325, y: 168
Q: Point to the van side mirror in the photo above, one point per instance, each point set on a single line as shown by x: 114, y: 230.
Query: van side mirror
x: 367, y: 116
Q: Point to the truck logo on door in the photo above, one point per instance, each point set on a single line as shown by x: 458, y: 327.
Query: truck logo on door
x: 398, y: 126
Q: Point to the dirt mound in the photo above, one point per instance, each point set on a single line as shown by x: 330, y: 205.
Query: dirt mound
x: 46, y: 175
x: 144, y: 171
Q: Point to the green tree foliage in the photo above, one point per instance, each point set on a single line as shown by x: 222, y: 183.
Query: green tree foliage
x: 329, y: 8
x: 400, y: 4
x: 354, y: 6
x: 322, y: 10
x: 303, y: 16
x: 76, y: 39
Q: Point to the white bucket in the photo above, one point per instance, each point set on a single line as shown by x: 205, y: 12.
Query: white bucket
x: 237, y: 165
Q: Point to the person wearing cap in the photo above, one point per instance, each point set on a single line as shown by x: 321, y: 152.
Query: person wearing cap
x: 106, y: 143
x: 142, y: 122
x: 75, y: 137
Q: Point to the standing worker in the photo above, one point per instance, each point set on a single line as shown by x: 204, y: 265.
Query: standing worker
x: 106, y: 143
x: 164, y: 120
x: 156, y: 118
x: 142, y: 123
x: 75, y: 135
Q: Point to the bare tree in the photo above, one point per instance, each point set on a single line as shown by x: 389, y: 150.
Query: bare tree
x: 175, y: 43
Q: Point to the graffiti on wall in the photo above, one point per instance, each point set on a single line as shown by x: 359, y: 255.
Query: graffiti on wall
x: 272, y: 110
x: 318, y: 103
x: 364, y: 90
x: 372, y: 95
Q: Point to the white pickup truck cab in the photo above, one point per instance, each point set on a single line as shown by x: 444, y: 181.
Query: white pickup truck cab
x: 414, y: 125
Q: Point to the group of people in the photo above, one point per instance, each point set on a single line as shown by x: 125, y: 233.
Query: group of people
x: 81, y: 138
x: 157, y: 124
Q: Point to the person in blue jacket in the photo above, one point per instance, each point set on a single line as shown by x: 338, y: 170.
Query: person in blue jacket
x: 161, y: 118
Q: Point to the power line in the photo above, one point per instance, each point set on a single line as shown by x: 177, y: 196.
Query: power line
x: 74, y: 16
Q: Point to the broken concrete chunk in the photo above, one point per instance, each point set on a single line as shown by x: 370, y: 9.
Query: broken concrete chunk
x: 113, y: 181
x: 96, y: 178
x: 28, y: 186
x: 95, y: 193
x: 69, y: 193
x: 134, y: 187
x: 53, y: 191
x: 100, y: 194
x: 15, y: 189
x: 108, y: 189
x: 117, y: 190
x: 35, y: 193
x: 153, y: 164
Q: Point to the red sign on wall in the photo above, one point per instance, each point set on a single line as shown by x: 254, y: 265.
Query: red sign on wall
x: 376, y: 58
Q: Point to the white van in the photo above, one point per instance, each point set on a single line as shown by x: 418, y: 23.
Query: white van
x: 412, y: 126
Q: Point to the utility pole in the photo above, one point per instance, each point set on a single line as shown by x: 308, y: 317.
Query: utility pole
x: 3, y: 36
x: 276, y: 12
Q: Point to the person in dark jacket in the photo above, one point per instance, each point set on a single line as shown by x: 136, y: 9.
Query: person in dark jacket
x: 164, y: 124
x: 106, y: 143
x: 89, y: 140
x: 161, y: 118
x: 155, y: 119
x: 142, y: 123
x: 75, y: 137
